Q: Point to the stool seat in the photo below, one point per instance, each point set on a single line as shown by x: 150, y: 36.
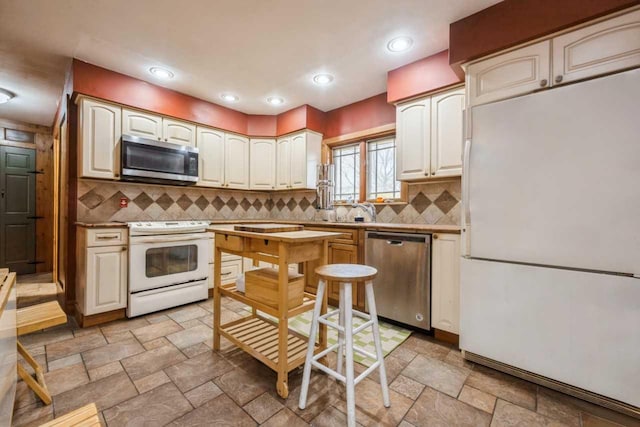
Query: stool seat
x: 346, y: 272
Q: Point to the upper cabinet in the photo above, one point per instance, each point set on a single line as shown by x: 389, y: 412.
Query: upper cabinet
x: 447, y: 110
x: 210, y: 143
x: 413, y: 132
x: 514, y: 73
x: 297, y: 156
x: 262, y: 156
x: 601, y: 48
x: 150, y: 126
x: 178, y: 132
x: 141, y: 124
x: 429, y: 136
x: 99, y: 132
x: 236, y: 161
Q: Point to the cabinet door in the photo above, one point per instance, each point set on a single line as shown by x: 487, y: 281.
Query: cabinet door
x: 511, y: 74
x: 283, y: 163
x: 99, y: 146
x: 141, y: 124
x: 445, y: 282
x: 413, y: 132
x: 342, y: 254
x: 263, y: 164
x: 179, y: 132
x: 210, y: 143
x: 601, y: 48
x: 106, y: 287
x: 298, y: 162
x: 236, y: 164
x: 447, y: 111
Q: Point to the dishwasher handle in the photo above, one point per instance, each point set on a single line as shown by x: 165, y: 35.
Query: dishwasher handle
x: 398, y: 239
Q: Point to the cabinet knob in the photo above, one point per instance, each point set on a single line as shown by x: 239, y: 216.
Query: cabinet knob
x: 435, y: 237
x: 426, y: 174
x: 558, y: 79
x: 159, y: 139
x: 124, y: 249
x: 543, y: 82
x: 166, y: 139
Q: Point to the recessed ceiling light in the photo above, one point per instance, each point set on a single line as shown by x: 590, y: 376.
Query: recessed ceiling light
x: 400, y: 44
x: 5, y: 96
x: 322, y: 79
x: 229, y: 97
x: 161, y: 73
x: 275, y: 100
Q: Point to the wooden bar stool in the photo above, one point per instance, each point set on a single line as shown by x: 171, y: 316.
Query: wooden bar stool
x: 31, y: 319
x: 345, y: 275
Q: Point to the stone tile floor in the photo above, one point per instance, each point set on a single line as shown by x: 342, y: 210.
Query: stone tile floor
x: 160, y: 370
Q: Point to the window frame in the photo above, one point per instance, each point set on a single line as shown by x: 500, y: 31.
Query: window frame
x: 362, y: 142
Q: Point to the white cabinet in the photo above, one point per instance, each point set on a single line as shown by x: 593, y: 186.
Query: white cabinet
x: 511, y: 74
x: 447, y: 111
x: 159, y: 128
x: 236, y: 161
x: 445, y: 282
x: 296, y: 158
x: 283, y: 163
x: 262, y: 155
x: 601, y: 48
x: 102, y: 270
x: 99, y: 132
x: 413, y: 131
x: 141, y: 124
x: 429, y: 136
x: 210, y: 143
x: 178, y: 132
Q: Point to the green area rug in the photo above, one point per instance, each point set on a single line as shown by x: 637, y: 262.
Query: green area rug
x: 390, y: 335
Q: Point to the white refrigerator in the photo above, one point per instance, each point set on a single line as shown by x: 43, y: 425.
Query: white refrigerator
x: 550, y: 276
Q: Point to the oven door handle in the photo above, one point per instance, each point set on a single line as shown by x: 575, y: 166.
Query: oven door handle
x: 134, y: 240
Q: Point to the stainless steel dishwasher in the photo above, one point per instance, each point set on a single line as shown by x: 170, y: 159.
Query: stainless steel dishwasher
x: 403, y: 285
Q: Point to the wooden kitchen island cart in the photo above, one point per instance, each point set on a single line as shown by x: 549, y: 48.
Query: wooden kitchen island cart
x: 270, y: 342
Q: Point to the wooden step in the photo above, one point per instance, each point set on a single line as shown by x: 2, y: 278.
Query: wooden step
x: 40, y: 316
x: 85, y: 416
x: 36, y: 293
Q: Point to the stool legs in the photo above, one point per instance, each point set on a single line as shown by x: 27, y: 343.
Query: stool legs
x: 371, y: 303
x: 341, y: 334
x: 306, y: 374
x: 350, y: 384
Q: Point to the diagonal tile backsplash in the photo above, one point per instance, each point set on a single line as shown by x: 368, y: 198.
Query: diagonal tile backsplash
x: 99, y: 201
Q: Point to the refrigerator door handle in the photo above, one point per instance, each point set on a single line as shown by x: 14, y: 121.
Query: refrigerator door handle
x: 466, y: 210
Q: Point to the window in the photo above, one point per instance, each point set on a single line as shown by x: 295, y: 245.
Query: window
x: 379, y: 180
x: 381, y: 170
x: 347, y: 173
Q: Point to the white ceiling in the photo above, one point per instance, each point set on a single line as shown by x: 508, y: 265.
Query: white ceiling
x: 251, y: 48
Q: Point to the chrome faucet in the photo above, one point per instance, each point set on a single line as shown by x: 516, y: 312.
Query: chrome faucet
x: 368, y: 207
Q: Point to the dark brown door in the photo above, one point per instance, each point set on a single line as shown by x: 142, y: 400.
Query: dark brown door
x: 17, y: 209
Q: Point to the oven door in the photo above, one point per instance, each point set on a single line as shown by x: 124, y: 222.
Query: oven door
x: 159, y: 261
x: 152, y: 161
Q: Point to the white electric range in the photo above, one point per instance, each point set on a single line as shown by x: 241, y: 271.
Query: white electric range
x: 168, y: 264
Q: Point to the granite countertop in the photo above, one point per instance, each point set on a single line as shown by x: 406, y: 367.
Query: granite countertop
x: 413, y: 228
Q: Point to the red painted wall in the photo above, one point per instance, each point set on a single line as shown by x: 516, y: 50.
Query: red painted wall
x: 261, y: 125
x: 366, y: 114
x: 425, y: 75
x: 105, y: 84
x: 512, y: 22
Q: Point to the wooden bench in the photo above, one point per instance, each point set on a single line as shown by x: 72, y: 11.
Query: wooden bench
x: 85, y: 416
x: 31, y: 319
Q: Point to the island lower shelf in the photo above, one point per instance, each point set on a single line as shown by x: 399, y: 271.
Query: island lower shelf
x: 259, y: 337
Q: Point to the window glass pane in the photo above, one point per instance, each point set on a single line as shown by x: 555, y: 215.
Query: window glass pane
x: 347, y: 164
x: 381, y: 174
x: 171, y: 260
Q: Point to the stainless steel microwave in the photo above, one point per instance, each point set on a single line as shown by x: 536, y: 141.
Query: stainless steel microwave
x: 146, y: 160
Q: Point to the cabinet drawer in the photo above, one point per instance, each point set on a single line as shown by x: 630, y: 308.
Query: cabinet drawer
x: 106, y: 237
x: 233, y: 243
x: 349, y: 237
x: 230, y: 270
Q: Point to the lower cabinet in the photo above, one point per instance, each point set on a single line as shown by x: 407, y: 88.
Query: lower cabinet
x: 445, y: 282
x: 102, y: 271
x: 342, y: 254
